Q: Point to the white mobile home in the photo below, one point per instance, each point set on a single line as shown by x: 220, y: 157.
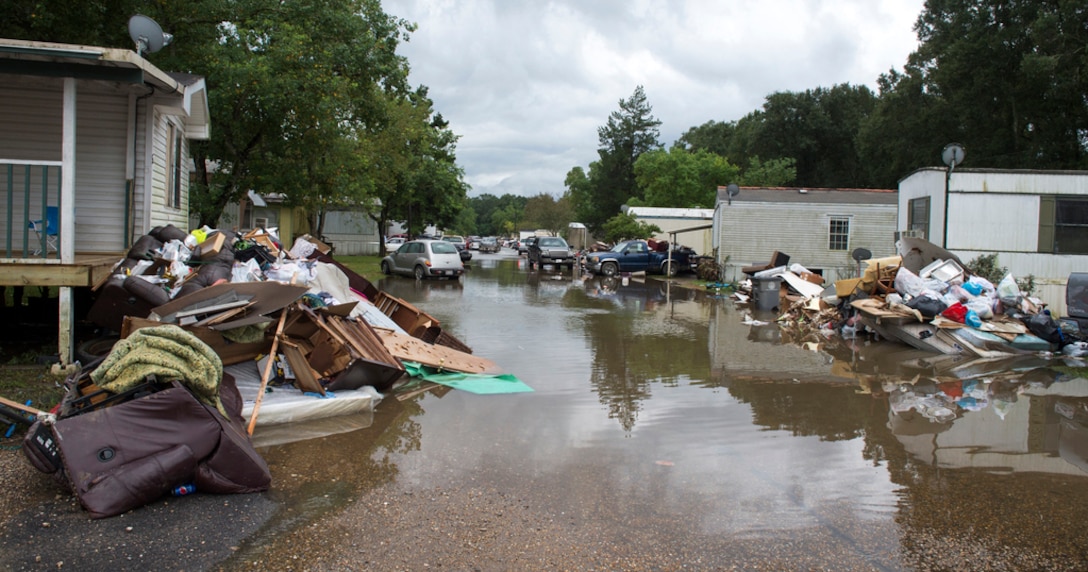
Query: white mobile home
x: 1035, y: 221
x: 94, y: 152
x: 688, y: 227
x: 817, y: 228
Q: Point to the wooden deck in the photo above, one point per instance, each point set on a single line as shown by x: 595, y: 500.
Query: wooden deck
x: 88, y: 270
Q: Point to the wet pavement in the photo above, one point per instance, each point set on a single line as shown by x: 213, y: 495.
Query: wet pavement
x: 668, y: 430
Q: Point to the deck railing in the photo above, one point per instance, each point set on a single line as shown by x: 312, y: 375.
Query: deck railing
x: 30, y: 195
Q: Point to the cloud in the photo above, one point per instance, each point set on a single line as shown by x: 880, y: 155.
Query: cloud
x: 526, y: 84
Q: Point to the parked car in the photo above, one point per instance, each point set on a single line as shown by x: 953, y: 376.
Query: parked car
x: 393, y: 243
x: 458, y: 241
x: 425, y: 259
x: 489, y: 244
x: 550, y: 250
x: 523, y: 246
x: 462, y: 246
x: 474, y: 243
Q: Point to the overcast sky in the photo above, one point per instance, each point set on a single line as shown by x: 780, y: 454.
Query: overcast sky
x: 526, y: 84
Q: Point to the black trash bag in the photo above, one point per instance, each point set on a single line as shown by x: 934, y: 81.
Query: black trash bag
x: 145, y: 248
x: 929, y: 307
x: 1045, y: 327
x: 167, y: 233
x: 256, y: 252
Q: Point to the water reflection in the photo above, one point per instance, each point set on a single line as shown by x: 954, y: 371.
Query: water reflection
x: 654, y: 402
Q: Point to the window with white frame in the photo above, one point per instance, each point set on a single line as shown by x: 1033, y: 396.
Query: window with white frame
x: 839, y: 233
x: 174, y: 165
x: 918, y: 216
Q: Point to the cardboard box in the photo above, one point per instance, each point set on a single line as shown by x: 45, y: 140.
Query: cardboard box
x: 212, y: 246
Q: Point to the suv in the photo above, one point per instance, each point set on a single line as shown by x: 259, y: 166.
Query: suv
x: 550, y: 250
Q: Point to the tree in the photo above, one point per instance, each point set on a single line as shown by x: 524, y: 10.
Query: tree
x: 289, y: 106
x: 548, y: 213
x: 629, y: 132
x: 624, y: 226
x: 1007, y: 79
x: 818, y: 129
x: 713, y: 136
x: 412, y: 163
x: 773, y: 173
x: 678, y: 178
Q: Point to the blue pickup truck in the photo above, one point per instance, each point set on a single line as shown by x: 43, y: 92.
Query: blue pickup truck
x: 638, y: 256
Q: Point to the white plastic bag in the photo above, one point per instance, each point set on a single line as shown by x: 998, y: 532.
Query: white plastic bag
x: 1008, y: 292
x: 907, y: 283
x: 248, y: 271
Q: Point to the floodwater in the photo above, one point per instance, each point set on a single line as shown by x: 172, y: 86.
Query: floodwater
x: 655, y: 403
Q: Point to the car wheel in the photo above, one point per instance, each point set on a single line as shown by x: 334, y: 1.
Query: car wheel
x: 610, y: 269
x: 420, y: 273
x: 670, y: 269
x: 386, y: 269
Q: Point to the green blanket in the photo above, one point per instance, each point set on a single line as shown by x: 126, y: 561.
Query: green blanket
x: 170, y: 354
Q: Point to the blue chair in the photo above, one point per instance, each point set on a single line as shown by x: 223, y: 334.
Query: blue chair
x: 47, y: 228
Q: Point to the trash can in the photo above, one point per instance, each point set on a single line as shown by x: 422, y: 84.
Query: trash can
x: 766, y: 292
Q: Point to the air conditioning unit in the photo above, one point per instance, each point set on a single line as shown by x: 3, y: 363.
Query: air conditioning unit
x: 260, y: 222
x: 910, y: 233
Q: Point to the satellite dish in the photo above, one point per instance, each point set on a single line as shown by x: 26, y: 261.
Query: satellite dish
x: 147, y: 34
x: 860, y: 254
x: 952, y: 155
x: 731, y: 191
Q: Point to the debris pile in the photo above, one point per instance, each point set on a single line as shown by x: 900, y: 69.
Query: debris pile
x: 217, y: 329
x: 924, y: 297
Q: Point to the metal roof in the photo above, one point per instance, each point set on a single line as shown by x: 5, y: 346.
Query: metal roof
x: 803, y: 195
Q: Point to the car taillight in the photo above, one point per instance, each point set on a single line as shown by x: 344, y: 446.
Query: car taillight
x: 427, y: 262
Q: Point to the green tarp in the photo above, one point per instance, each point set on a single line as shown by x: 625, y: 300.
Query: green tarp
x: 479, y: 383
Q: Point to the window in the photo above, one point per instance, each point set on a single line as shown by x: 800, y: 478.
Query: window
x: 1063, y: 225
x: 174, y: 166
x: 918, y: 216
x: 839, y: 236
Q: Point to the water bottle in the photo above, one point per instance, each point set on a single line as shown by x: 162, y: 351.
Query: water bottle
x: 186, y: 489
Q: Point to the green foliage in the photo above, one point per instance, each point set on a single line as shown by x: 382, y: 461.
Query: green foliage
x: 679, y: 178
x: 986, y: 266
x: 630, y: 132
x: 773, y: 173
x: 499, y: 216
x: 626, y: 227
x: 549, y: 213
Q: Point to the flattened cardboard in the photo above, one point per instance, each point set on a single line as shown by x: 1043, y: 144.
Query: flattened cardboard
x: 408, y: 348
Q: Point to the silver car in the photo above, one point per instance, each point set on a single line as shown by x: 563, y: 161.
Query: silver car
x: 425, y: 259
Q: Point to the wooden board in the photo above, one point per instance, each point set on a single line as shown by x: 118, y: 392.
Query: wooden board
x: 413, y: 349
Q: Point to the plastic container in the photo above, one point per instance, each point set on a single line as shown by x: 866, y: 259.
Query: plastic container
x: 766, y: 292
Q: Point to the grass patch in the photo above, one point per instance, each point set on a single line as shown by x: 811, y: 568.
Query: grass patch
x: 368, y: 267
x: 35, y: 383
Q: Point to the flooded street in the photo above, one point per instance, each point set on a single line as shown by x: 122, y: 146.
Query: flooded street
x: 667, y: 431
